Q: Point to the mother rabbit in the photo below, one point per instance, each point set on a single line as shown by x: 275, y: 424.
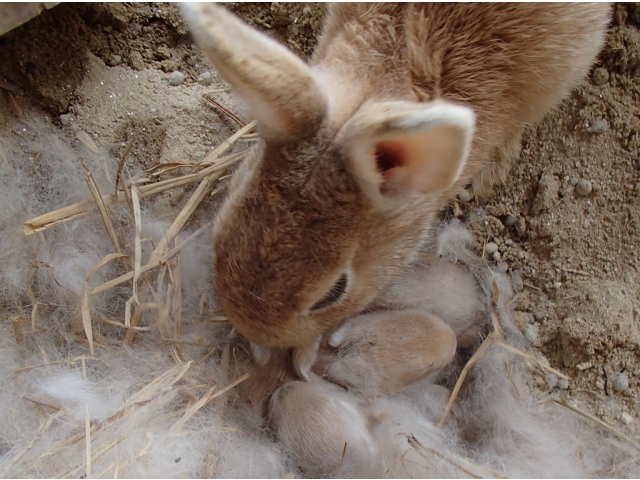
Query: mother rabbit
x: 399, y: 108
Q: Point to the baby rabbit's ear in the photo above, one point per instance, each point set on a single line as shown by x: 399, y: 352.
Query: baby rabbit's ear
x: 277, y: 85
x: 395, y: 148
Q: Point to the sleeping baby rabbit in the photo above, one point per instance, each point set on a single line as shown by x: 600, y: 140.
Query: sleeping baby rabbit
x: 399, y: 108
x: 328, y: 430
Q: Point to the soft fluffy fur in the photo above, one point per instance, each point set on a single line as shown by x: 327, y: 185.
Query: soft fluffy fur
x: 136, y: 396
x: 339, y: 184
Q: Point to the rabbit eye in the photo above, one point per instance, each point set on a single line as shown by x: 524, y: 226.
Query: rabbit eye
x: 336, y: 293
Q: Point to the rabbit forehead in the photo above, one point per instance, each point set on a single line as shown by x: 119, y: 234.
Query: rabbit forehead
x: 292, y: 224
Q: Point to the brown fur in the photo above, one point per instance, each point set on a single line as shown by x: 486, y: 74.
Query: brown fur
x: 298, y: 216
x: 510, y: 62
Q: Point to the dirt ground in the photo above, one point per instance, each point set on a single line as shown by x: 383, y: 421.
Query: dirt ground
x: 566, y: 225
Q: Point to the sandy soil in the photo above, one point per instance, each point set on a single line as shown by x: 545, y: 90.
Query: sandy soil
x: 573, y: 256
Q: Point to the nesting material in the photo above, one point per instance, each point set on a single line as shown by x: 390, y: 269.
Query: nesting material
x: 114, y: 360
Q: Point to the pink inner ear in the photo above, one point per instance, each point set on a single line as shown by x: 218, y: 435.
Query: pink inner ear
x: 390, y: 154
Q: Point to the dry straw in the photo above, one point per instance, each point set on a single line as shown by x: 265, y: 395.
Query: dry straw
x: 165, y: 301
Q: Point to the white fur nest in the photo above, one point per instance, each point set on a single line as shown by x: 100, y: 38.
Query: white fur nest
x: 164, y: 405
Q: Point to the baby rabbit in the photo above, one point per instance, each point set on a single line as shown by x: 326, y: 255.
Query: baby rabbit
x: 328, y: 430
x: 399, y: 108
x: 416, y: 324
x: 384, y: 351
x: 444, y: 289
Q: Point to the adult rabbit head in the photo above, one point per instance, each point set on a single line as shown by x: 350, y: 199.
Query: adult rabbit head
x: 363, y: 146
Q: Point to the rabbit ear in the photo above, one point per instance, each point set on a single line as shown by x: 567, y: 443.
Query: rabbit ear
x: 395, y: 148
x: 277, y: 85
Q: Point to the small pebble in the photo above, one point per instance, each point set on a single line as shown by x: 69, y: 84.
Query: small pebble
x: 503, y: 248
x: 598, y: 126
x: 551, y: 380
x: 508, y: 242
x: 600, y: 76
x: 491, y: 248
x: 557, y: 285
x: 626, y: 418
x: 66, y: 118
x: 563, y: 384
x: 573, y: 181
x: 584, y: 187
x: 497, y: 256
x: 530, y: 333
x: 621, y: 383
x: 465, y: 196
x: 176, y: 78
x: 115, y: 60
x: 205, y: 79
x: 510, y: 220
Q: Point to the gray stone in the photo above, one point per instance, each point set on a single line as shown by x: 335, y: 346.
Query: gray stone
x: 115, y: 60
x: 205, y: 79
x: 584, y: 187
x: 510, y: 220
x: 66, y: 119
x: 621, y: 382
x: 598, y: 126
x: 490, y: 248
x: 176, y: 78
